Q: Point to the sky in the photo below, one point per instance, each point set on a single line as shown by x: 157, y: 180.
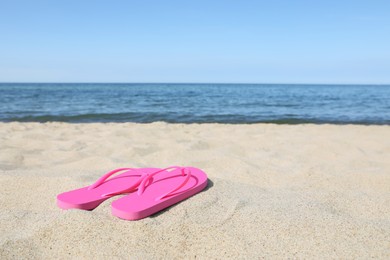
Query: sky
x: 333, y: 41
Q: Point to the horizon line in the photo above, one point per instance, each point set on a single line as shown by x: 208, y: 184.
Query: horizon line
x: 193, y: 83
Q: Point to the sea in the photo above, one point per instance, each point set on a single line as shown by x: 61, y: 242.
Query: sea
x: 195, y: 103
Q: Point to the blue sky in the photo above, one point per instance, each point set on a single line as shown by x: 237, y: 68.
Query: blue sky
x: 195, y: 41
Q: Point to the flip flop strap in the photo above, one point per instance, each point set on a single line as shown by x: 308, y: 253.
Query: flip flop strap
x: 142, y: 186
x: 129, y: 189
x: 145, y: 180
x: 178, y: 187
x: 102, y: 179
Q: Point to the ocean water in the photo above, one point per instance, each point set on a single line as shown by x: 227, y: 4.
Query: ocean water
x: 195, y: 103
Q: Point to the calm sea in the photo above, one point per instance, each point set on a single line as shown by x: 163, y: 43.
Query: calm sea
x: 200, y: 103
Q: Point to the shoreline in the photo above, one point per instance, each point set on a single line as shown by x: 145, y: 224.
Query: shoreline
x: 293, y: 121
x: 284, y: 191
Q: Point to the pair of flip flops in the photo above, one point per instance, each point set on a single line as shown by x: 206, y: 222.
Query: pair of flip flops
x: 148, y: 190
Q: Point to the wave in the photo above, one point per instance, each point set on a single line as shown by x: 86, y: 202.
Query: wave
x: 177, y: 118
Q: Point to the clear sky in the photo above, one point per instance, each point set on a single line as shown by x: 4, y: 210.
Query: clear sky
x: 330, y: 41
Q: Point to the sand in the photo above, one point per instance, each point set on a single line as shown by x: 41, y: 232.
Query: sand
x: 275, y: 191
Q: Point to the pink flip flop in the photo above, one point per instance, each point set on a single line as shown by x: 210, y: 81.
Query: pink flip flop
x: 90, y: 197
x: 159, y: 190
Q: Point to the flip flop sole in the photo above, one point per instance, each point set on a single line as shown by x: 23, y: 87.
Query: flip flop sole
x: 134, y: 206
x: 88, y: 199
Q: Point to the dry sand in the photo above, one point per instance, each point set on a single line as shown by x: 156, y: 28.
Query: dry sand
x: 275, y: 191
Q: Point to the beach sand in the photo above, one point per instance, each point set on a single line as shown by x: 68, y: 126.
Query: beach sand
x: 275, y: 191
